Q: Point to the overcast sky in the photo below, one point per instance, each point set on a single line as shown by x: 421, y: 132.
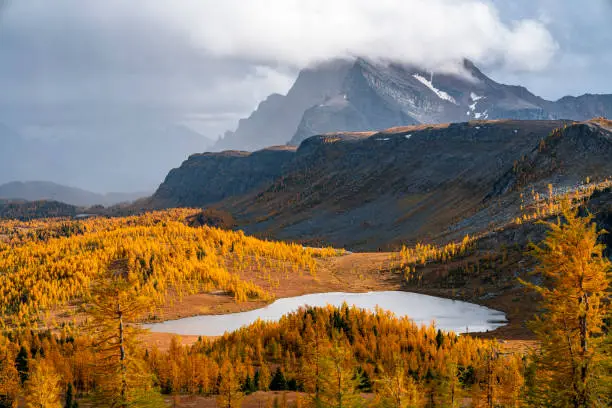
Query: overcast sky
x: 98, y: 75
x: 207, y: 62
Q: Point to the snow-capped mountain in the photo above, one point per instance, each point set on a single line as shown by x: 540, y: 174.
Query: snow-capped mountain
x: 363, y: 95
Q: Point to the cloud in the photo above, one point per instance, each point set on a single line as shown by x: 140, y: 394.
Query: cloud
x: 297, y: 32
x: 430, y: 33
x: 155, y: 54
x: 583, y: 61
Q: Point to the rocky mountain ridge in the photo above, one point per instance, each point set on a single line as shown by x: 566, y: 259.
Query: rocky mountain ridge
x: 211, y: 177
x: 364, y: 95
x: 368, y: 190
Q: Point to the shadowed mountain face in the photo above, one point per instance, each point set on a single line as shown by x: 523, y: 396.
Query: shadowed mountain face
x: 370, y: 190
x: 276, y: 118
x: 362, y: 95
x: 210, y: 177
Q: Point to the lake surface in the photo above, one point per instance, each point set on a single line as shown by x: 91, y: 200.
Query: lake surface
x: 454, y: 315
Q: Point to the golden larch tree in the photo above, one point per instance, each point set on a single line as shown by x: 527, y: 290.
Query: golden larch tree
x: 397, y: 390
x: 575, y: 302
x: 337, y: 379
x: 230, y: 395
x: 9, y: 379
x: 121, y: 376
x: 43, y: 387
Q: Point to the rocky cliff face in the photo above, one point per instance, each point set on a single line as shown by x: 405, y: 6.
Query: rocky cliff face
x: 364, y: 95
x: 211, y: 177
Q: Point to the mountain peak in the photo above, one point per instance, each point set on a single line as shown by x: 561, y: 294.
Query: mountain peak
x: 362, y: 94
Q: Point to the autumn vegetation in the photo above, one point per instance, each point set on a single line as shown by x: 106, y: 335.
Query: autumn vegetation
x: 118, y: 269
x: 573, y: 367
x: 47, y: 264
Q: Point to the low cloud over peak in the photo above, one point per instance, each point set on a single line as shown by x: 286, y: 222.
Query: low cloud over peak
x: 429, y: 33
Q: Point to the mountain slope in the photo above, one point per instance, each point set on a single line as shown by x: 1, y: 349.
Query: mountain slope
x: 276, y: 118
x: 404, y: 183
x: 29, y: 210
x: 45, y: 190
x: 369, y: 190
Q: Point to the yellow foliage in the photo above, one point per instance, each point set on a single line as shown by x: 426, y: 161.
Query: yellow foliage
x: 575, y: 302
x: 43, y: 387
x: 46, y: 263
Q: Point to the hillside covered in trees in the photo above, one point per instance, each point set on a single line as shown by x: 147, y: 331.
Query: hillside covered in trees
x: 53, y: 262
x: 29, y: 210
x: 111, y: 273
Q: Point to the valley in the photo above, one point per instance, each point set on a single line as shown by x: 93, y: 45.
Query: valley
x: 449, y: 211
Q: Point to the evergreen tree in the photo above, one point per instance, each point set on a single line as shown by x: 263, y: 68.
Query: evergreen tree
x: 365, y: 383
x: 21, y: 362
x: 278, y: 383
x: 256, y: 380
x: 249, y: 385
x: 69, y: 399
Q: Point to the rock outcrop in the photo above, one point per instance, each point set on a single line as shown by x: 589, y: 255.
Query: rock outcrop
x: 211, y: 177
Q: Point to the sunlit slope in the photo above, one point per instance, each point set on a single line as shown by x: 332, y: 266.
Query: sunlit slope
x: 54, y: 262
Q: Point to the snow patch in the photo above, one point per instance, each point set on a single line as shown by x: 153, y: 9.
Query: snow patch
x: 475, y: 98
x: 477, y: 115
x: 383, y: 139
x: 441, y: 94
x: 481, y: 115
x: 408, y: 136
